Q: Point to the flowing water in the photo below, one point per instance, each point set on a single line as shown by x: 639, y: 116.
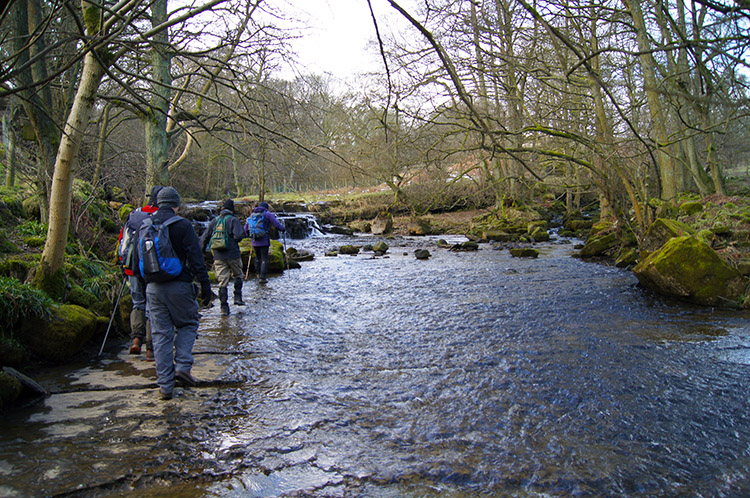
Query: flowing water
x: 468, y: 374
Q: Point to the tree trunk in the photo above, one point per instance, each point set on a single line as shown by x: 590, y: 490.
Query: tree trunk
x: 157, y: 144
x: 37, y: 102
x: 50, y: 276
x: 648, y: 66
x: 9, y: 139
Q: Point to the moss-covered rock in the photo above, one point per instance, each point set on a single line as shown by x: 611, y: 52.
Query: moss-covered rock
x: 10, y: 389
x: 422, y: 254
x: 661, y: 231
x: 349, y: 249
x: 380, y: 247
x: 540, y: 234
x: 627, y: 256
x: 419, y: 226
x: 12, y: 353
x: 691, y: 207
x: 600, y: 245
x: 524, y: 252
x: 688, y: 268
x: 61, y: 336
x: 78, y: 295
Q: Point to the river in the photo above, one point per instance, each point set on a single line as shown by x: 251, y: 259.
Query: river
x: 469, y: 374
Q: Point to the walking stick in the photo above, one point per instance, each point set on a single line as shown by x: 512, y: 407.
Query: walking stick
x: 286, y: 256
x: 249, y: 258
x: 114, y: 310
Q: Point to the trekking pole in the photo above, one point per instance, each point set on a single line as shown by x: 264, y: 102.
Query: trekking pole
x: 249, y: 258
x: 114, y: 310
x: 286, y: 256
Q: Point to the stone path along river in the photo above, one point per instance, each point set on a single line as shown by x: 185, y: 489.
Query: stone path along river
x: 468, y: 374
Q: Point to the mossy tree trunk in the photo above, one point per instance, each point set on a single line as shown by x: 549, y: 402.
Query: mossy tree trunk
x: 157, y: 143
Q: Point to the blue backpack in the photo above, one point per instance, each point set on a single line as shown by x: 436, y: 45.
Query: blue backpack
x: 158, y: 261
x: 256, y: 225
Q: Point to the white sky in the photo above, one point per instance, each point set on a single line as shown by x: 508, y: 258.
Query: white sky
x: 341, y: 38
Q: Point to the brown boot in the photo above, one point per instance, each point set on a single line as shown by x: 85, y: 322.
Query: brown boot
x: 136, y: 347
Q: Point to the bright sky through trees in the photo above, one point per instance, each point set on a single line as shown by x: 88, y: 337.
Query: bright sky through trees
x: 340, y: 38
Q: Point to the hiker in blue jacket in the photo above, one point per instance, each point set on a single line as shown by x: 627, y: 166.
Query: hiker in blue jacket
x: 262, y: 244
x: 227, y: 260
x: 172, y: 308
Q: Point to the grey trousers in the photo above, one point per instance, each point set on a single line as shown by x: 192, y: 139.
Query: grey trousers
x: 173, y: 312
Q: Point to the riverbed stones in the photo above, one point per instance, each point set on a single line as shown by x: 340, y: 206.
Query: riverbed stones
x: 524, y: 252
x: 422, y: 254
x: 688, y: 268
x: 349, y: 249
x: 380, y: 247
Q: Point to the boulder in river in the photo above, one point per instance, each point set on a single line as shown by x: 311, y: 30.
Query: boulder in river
x: 524, y: 252
x: 349, y: 249
x: 382, y: 224
x: 422, y: 254
x: 380, y: 247
x: 688, y: 268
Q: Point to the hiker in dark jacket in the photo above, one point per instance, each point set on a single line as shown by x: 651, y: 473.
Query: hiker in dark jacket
x: 172, y: 307
x: 227, y: 261
x: 262, y: 244
x: 140, y: 330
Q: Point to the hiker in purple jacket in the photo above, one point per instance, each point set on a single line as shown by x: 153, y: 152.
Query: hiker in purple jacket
x: 261, y: 243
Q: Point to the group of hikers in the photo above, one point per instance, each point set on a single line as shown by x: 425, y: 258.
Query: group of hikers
x: 162, y: 257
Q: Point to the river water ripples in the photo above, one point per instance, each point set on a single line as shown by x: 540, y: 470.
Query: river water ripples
x: 467, y: 374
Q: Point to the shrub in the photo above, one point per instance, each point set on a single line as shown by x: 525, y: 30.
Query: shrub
x: 20, y: 302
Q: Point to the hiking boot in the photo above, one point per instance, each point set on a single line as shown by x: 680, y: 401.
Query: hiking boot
x: 149, y: 354
x: 185, y: 378
x: 136, y: 347
x: 238, y: 292
x: 223, y: 298
x: 262, y: 280
x: 165, y: 394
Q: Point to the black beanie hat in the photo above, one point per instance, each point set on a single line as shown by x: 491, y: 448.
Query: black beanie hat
x: 154, y: 192
x: 229, y: 205
x: 168, y: 197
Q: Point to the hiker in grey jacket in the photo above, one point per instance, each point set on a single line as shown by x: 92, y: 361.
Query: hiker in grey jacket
x: 172, y: 307
x: 227, y: 261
